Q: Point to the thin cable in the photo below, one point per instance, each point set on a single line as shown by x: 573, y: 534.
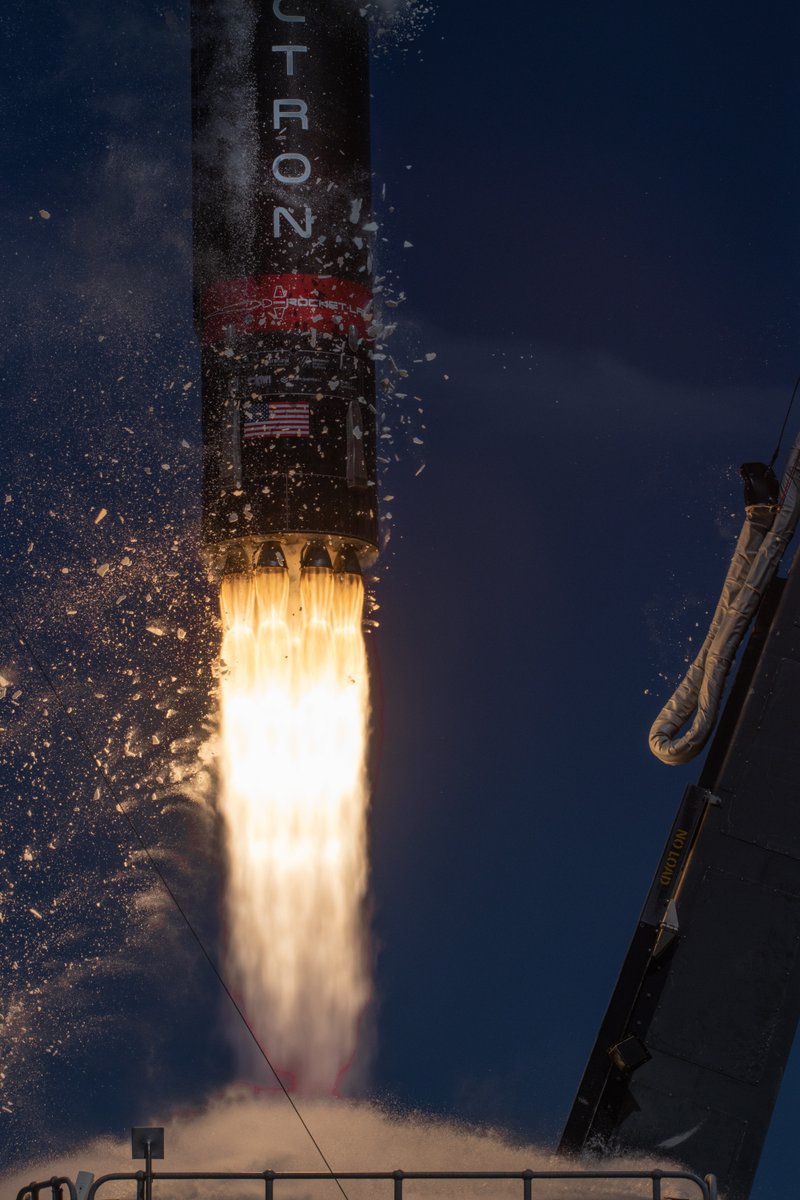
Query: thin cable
x: 116, y: 796
x: 785, y: 422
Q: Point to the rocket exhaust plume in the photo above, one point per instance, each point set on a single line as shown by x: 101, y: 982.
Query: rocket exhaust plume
x: 294, y: 799
x: 283, y: 309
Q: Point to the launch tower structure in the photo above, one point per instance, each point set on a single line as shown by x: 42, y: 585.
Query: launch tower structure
x: 690, y: 1053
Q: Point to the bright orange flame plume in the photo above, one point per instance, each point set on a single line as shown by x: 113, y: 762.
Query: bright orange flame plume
x: 295, y: 712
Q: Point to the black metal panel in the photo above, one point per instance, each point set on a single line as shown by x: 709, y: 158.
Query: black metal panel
x: 652, y: 1110
x: 726, y: 1020
x: 715, y: 1004
x: 772, y: 773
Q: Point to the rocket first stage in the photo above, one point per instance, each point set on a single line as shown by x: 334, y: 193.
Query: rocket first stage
x: 282, y: 281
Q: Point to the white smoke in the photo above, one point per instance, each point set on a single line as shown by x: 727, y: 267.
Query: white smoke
x: 237, y: 1131
x: 228, y: 154
x: 397, y: 24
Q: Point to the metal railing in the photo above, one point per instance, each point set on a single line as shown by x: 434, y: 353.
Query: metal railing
x: 64, y: 1189
x: 59, y: 1187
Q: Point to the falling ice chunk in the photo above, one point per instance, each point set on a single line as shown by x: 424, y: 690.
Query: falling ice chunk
x: 181, y: 634
x: 420, y: 470
x: 103, y: 570
x: 370, y: 227
x: 355, y: 211
x: 35, y: 912
x: 430, y: 356
x: 408, y: 245
x: 156, y: 630
x: 103, y: 513
x: 417, y: 441
x: 44, y: 214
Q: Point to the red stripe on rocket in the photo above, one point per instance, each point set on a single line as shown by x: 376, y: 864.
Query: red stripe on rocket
x: 289, y: 303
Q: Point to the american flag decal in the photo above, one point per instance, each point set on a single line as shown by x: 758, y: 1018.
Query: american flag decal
x: 276, y: 418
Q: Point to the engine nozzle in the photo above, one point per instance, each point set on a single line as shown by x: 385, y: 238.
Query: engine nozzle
x: 315, y: 554
x: 270, y: 558
x: 237, y: 561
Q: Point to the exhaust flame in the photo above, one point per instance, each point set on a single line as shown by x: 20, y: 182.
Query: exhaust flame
x: 295, y: 709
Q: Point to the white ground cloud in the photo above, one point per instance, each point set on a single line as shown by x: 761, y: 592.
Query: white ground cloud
x: 239, y: 1131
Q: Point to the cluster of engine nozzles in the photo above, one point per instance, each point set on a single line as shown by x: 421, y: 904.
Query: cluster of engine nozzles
x: 241, y: 559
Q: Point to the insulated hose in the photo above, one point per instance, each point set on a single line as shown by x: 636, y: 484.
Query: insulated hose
x: 767, y: 530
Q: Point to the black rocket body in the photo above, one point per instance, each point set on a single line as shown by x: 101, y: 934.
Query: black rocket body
x: 282, y: 275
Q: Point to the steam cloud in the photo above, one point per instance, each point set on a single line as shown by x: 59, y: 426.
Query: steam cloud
x: 236, y: 1131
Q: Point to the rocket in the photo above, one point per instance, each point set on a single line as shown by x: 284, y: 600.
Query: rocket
x: 282, y: 266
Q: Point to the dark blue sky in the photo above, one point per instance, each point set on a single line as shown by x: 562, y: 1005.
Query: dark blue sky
x: 602, y: 203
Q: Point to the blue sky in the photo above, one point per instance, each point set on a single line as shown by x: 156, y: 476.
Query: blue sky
x: 601, y: 202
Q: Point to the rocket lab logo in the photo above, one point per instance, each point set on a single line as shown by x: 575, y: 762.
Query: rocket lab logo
x: 279, y: 303
x: 285, y: 302
x: 282, y: 302
x: 252, y: 312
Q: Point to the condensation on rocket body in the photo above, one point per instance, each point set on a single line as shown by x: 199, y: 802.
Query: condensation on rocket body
x: 282, y: 274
